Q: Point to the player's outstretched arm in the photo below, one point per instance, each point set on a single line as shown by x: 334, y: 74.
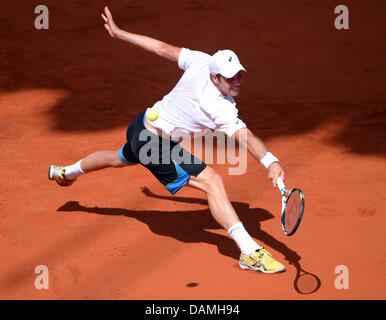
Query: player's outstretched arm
x: 153, y: 45
x: 257, y: 148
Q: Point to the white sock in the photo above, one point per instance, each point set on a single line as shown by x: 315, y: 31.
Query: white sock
x: 74, y: 171
x: 245, y: 242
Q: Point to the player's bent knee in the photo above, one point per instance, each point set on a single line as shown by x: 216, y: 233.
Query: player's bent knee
x: 209, y: 180
x: 216, y: 183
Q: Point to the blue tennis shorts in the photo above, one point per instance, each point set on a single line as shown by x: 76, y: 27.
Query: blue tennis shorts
x: 171, y: 164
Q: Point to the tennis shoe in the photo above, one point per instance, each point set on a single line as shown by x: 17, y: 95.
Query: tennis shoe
x: 58, y: 174
x: 261, y: 260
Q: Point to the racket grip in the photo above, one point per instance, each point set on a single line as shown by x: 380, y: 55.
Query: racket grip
x: 281, y: 185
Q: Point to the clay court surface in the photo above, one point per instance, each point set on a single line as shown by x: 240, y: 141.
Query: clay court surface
x: 314, y: 94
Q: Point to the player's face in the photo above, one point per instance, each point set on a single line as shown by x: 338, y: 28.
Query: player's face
x: 230, y: 85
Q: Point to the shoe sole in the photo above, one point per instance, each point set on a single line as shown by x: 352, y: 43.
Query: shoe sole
x: 247, y: 267
x: 50, y: 173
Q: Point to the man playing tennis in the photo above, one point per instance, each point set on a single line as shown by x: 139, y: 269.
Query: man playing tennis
x: 202, y: 99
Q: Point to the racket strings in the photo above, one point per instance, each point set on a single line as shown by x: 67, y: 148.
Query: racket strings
x: 293, y: 210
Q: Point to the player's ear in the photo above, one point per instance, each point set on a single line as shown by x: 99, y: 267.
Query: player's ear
x: 214, y: 78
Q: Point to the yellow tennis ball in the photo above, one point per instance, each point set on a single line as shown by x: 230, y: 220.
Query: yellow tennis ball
x: 152, y: 114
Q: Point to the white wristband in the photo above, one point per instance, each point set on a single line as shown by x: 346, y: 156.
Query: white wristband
x: 267, y: 159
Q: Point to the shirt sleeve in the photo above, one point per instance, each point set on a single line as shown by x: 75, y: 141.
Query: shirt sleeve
x: 226, y: 118
x: 188, y: 58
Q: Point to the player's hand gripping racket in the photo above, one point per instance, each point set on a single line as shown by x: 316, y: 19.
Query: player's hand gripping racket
x: 292, y: 208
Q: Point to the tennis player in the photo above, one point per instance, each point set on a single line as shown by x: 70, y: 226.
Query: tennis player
x: 202, y: 99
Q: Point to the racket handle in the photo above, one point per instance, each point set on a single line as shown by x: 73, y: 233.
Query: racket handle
x: 281, y: 185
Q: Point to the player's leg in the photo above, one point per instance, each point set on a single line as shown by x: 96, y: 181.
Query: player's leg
x: 221, y: 208
x: 252, y: 255
x: 66, y: 175
x: 102, y: 159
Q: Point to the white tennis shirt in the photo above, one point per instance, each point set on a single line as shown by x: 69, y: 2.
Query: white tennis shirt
x: 195, y: 104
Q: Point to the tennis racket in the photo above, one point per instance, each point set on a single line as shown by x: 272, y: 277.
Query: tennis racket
x: 292, y: 208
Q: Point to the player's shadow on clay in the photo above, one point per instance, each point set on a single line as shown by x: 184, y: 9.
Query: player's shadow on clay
x: 194, y: 226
